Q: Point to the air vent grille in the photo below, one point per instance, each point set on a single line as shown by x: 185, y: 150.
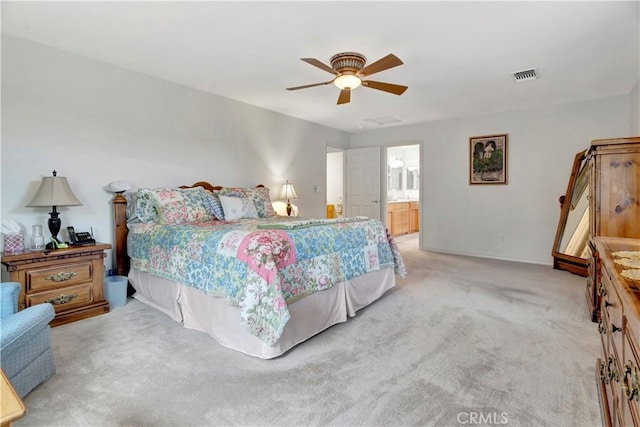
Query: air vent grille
x: 386, y: 120
x: 521, y: 76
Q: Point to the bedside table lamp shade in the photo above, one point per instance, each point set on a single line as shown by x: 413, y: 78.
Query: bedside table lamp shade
x: 288, y: 193
x: 54, y: 191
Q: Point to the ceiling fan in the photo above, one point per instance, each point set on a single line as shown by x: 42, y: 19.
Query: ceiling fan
x: 349, y: 70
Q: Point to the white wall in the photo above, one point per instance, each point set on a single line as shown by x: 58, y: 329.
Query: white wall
x: 635, y: 110
x: 459, y: 218
x: 95, y: 123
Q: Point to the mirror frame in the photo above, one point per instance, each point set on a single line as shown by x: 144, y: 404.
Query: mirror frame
x: 562, y: 261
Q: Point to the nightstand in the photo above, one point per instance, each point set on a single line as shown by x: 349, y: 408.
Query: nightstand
x: 70, y: 279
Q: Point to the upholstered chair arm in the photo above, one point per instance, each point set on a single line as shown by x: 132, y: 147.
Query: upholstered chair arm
x: 24, y: 325
x: 9, y: 292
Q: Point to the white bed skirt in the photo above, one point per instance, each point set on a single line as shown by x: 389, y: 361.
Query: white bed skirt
x: 214, y: 316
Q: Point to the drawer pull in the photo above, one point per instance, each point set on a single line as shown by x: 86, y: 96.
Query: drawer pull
x: 601, y: 328
x: 61, y: 299
x: 612, y: 370
x: 602, y: 290
x: 61, y: 277
x: 630, y: 385
x: 614, y: 328
x: 603, y: 373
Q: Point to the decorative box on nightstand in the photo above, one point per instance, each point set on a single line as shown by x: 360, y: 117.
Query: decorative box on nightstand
x: 70, y: 279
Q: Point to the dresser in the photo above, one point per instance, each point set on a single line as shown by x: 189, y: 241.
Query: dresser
x: 70, y: 279
x: 614, y: 201
x: 618, y: 367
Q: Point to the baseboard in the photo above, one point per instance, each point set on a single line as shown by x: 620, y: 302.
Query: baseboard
x: 475, y: 255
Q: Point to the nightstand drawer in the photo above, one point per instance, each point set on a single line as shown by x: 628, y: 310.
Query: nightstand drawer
x: 58, y: 276
x: 63, y: 299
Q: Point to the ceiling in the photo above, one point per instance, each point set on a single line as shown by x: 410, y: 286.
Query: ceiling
x: 458, y: 56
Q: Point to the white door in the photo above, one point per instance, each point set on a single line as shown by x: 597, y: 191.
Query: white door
x: 363, y: 182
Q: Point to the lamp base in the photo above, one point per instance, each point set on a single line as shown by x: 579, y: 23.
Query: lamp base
x: 289, y: 209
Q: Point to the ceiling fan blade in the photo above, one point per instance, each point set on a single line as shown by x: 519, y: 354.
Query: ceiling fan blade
x: 311, y: 85
x: 386, y: 87
x: 321, y: 65
x: 344, y: 97
x: 382, y: 64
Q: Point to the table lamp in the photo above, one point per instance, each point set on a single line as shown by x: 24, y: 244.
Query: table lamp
x: 288, y: 193
x: 54, y: 191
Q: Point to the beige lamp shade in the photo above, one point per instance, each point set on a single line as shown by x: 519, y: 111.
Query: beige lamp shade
x: 54, y: 191
x: 288, y: 192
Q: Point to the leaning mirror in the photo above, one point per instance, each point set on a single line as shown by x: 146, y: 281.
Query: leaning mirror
x: 570, y: 247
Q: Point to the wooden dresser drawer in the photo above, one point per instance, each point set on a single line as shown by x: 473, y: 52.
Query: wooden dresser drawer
x: 39, y: 279
x: 400, y: 206
x: 630, y: 382
x: 63, y: 299
x: 612, y: 311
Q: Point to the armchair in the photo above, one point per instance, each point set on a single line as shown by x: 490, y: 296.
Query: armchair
x: 25, y: 341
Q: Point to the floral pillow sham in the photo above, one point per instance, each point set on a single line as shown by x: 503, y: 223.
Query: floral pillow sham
x: 172, y: 205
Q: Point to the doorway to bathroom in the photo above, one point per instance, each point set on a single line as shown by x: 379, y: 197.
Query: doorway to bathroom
x: 335, y: 182
x: 403, y: 191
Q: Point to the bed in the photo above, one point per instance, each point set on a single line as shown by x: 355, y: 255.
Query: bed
x: 256, y: 282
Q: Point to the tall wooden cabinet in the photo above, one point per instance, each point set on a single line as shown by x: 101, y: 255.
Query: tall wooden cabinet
x: 614, y: 301
x: 614, y: 201
x: 615, y: 189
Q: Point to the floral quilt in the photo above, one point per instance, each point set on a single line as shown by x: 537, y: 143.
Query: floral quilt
x: 262, y: 269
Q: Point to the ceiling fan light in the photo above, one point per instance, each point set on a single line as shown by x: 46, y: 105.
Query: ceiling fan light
x: 347, y: 81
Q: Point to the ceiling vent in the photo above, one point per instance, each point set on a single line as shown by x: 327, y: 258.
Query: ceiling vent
x: 521, y: 76
x: 387, y: 120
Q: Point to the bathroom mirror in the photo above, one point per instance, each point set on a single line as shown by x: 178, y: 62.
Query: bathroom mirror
x: 570, y: 247
x: 413, y: 178
x: 395, y: 179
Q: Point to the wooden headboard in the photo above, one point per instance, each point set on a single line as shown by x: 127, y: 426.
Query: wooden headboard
x: 204, y: 185
x: 121, y: 230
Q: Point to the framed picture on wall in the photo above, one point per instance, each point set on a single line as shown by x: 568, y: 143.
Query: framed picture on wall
x: 488, y: 159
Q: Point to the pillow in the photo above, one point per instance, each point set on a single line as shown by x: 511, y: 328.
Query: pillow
x: 146, y: 209
x: 259, y: 196
x: 212, y: 204
x: 132, y: 214
x: 238, y: 207
x: 172, y: 205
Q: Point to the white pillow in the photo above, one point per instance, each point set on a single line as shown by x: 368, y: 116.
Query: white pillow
x: 238, y: 207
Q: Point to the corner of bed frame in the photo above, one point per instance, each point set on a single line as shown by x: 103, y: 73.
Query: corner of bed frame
x: 120, y: 234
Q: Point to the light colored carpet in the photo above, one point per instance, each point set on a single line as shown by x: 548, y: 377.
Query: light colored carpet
x: 509, y: 342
